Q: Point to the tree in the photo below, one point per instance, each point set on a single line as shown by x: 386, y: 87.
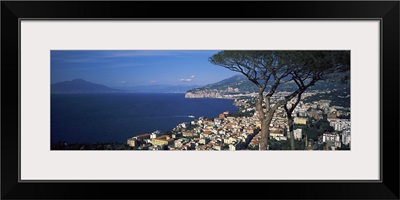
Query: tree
x: 263, y: 68
x: 273, y: 68
x: 311, y: 67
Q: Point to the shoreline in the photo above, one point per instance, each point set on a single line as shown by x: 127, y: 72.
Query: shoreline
x: 188, y: 120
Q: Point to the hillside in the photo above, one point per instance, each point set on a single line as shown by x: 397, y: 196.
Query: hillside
x: 239, y: 84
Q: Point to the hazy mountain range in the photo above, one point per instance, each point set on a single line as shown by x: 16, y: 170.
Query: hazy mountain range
x: 240, y: 82
x: 245, y: 86
x: 159, y: 88
x: 82, y: 86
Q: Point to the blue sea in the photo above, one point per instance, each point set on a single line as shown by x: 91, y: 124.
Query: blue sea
x: 77, y: 118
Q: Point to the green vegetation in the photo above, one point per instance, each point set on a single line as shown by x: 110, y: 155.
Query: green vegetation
x: 253, y: 148
x: 242, y: 114
x: 344, y: 147
x: 285, y: 144
x: 338, y: 97
x: 314, y: 130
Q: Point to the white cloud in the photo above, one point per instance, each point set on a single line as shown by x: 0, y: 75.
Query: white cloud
x: 187, y: 79
x: 152, y: 81
x: 123, y: 82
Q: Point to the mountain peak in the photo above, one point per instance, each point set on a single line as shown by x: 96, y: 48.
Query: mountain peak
x: 80, y: 86
x: 78, y: 80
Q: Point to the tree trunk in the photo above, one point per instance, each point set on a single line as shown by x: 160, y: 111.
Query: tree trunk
x: 265, y: 133
x: 261, y: 116
x: 290, y: 119
x: 290, y: 124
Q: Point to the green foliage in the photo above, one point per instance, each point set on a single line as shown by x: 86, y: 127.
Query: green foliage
x: 285, y: 144
x: 344, y: 147
x: 303, y: 67
x: 242, y: 114
x: 257, y: 66
x: 254, y: 148
x: 312, y: 133
x: 325, y: 128
x: 278, y: 145
x: 301, y: 126
x: 314, y: 130
x: 338, y: 94
x: 225, y: 147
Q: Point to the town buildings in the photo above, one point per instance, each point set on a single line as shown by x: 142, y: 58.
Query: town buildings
x: 226, y: 132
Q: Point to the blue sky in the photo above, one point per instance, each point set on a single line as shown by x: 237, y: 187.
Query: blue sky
x: 126, y: 68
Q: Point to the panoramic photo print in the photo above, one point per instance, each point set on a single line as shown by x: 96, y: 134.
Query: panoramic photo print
x: 223, y: 100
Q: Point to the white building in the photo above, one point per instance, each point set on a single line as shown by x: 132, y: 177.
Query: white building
x: 180, y: 142
x: 276, y: 135
x: 184, y: 125
x: 346, y: 137
x: 236, y: 145
x: 202, y: 141
x: 227, y: 141
x: 338, y: 127
x: 297, y: 134
x: 340, y: 124
x: 330, y: 137
x: 281, y: 138
x: 155, y: 134
x: 131, y: 142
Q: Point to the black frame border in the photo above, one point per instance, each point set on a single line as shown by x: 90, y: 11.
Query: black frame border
x: 195, y: 180
x: 386, y: 11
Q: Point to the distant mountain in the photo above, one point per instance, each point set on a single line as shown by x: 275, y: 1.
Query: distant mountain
x: 240, y: 84
x: 237, y: 81
x: 81, y: 86
x: 160, y: 88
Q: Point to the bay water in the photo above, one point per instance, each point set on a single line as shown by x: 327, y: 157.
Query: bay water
x: 115, y: 117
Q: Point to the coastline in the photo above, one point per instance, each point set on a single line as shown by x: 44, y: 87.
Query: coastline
x: 173, y: 115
